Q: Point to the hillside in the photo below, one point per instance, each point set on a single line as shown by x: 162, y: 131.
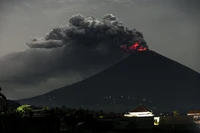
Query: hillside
x: 144, y: 77
x: 13, y: 104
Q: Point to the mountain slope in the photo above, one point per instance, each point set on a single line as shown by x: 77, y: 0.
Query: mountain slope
x: 145, y: 77
x: 13, y: 104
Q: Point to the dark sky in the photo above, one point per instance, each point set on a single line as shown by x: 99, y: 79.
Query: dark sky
x: 170, y: 27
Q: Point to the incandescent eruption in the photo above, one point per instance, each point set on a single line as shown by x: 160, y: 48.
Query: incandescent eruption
x: 73, y: 52
x: 92, y: 33
x: 134, y: 47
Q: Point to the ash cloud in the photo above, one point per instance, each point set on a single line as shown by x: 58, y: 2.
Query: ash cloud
x: 90, y: 32
x: 37, y: 43
x: 82, y: 48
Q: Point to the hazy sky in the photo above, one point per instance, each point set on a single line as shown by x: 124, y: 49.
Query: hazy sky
x: 170, y: 27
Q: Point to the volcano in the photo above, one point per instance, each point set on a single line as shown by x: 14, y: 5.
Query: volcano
x: 146, y: 77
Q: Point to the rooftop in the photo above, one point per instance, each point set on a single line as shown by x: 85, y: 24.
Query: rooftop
x: 140, y: 109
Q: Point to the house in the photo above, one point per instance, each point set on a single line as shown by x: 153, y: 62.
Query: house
x: 140, y: 111
x: 194, y: 113
x: 196, y: 116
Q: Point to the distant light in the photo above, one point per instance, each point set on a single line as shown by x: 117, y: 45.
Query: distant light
x: 156, y: 121
x: 139, y: 114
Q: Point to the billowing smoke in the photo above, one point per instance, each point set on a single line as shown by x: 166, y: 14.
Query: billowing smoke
x: 90, y: 32
x: 36, y: 43
x: 69, y: 53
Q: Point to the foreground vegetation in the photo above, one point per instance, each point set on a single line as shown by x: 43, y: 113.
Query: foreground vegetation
x: 28, y: 119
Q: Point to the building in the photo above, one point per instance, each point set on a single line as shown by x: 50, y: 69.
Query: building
x: 140, y: 111
x: 195, y: 115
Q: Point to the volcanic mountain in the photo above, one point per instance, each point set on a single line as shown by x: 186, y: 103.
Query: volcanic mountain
x: 147, y: 78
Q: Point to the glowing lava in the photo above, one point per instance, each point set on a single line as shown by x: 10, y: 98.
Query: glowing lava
x: 134, y: 47
x: 142, y: 49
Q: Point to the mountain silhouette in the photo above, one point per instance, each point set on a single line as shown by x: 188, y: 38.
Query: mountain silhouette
x: 13, y: 104
x: 147, y: 78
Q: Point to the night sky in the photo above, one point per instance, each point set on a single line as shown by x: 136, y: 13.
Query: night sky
x: 170, y: 27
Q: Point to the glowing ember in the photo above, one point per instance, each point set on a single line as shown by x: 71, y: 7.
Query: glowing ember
x: 141, y: 49
x: 134, y: 47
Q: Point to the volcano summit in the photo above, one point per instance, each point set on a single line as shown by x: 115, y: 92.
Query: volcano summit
x: 144, y: 77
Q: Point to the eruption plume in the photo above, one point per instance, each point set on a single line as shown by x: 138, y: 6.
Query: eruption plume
x: 91, y: 32
x: 73, y: 52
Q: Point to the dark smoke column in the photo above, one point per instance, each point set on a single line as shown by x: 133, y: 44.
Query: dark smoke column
x: 90, y: 32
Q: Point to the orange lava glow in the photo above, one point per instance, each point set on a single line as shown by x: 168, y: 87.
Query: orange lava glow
x: 141, y: 49
x: 134, y: 47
